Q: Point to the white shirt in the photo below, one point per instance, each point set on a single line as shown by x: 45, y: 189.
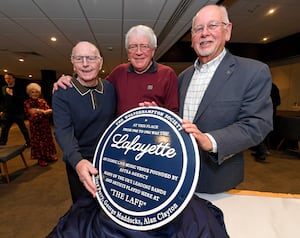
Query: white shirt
x: 198, y: 85
x: 196, y: 90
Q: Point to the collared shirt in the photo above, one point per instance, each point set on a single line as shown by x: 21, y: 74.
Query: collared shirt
x: 198, y: 85
x: 82, y: 90
x: 81, y: 115
x: 196, y: 90
x: 152, y: 68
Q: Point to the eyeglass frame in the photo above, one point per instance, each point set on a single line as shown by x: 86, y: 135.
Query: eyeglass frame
x: 143, y: 47
x: 212, y: 26
x: 88, y: 58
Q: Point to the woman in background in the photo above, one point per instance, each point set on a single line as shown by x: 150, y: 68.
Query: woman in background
x: 39, y: 114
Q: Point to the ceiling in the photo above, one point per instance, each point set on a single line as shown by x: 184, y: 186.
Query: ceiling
x: 26, y: 27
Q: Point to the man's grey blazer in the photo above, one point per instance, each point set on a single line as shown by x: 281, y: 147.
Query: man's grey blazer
x: 236, y: 110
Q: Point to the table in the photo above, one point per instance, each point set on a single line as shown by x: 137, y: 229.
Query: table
x: 249, y: 214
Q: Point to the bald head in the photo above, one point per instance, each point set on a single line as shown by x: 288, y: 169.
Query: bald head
x: 212, y: 9
x: 85, y: 45
x: 87, y: 62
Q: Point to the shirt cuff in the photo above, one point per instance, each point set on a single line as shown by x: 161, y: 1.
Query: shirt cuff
x: 214, y: 143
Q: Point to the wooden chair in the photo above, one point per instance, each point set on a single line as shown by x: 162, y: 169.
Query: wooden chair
x: 9, y: 152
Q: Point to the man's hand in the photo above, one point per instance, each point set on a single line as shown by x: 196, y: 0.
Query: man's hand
x: 9, y: 91
x: 203, y: 141
x: 63, y: 82
x: 84, y: 170
x: 147, y: 104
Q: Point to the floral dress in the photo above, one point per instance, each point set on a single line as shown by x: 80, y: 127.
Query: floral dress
x: 42, y: 142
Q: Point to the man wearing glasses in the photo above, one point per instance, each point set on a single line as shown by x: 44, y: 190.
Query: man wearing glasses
x: 81, y: 114
x: 225, y: 101
x: 141, y: 79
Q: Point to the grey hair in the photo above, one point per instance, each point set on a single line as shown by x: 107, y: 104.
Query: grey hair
x: 141, y: 30
x: 33, y: 86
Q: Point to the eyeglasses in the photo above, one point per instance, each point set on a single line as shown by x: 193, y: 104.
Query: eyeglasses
x: 80, y: 59
x: 211, y: 26
x: 134, y: 47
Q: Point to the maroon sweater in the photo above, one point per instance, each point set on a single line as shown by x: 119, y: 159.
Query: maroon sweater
x: 158, y: 84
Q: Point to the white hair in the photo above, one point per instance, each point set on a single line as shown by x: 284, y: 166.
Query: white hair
x: 141, y: 30
x: 33, y: 86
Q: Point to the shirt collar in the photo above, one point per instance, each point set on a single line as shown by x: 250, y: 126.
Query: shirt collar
x: 152, y: 69
x: 84, y: 90
x: 213, y: 63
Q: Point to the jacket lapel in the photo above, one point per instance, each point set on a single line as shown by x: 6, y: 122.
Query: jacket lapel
x: 219, y: 78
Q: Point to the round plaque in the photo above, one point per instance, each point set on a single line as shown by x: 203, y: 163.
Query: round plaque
x: 148, y: 168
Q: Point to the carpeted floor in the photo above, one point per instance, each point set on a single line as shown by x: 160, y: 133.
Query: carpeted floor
x: 37, y: 197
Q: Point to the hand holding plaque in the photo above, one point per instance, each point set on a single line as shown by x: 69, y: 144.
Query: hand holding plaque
x: 148, y: 168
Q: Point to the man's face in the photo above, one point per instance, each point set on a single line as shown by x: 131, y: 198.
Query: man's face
x: 140, y: 53
x: 210, y: 33
x: 10, y: 80
x: 86, y: 62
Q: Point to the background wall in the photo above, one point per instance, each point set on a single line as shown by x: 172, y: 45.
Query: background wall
x: 287, y: 79
x: 282, y: 56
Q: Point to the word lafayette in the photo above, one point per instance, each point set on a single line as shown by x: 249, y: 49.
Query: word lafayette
x: 162, y: 149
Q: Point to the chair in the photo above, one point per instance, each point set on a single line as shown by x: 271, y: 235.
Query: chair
x: 289, y: 129
x: 9, y: 152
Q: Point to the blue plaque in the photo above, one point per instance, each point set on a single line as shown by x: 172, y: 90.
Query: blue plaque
x: 148, y: 168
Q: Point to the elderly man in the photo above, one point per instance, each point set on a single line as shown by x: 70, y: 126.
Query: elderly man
x: 81, y: 114
x: 141, y: 80
x: 225, y: 101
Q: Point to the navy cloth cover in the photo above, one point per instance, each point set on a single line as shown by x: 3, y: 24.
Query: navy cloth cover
x: 200, y: 219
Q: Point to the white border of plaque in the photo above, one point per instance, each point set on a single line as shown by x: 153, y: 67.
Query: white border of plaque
x: 148, y: 168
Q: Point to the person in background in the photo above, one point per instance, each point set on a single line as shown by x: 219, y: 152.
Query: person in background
x: 39, y: 115
x: 12, y: 109
x: 141, y: 79
x: 81, y: 114
x: 224, y: 100
x: 276, y: 101
x: 261, y: 150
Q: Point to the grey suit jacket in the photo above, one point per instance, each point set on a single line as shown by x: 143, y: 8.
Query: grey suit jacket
x: 236, y: 110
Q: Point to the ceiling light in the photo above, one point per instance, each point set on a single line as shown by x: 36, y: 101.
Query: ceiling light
x: 265, y: 39
x: 5, y: 70
x: 30, y: 75
x: 271, y: 11
x: 21, y: 59
x: 53, y: 38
